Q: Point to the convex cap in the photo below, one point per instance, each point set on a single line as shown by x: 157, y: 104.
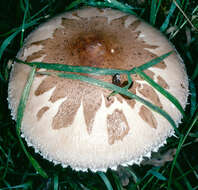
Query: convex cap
x: 73, y: 123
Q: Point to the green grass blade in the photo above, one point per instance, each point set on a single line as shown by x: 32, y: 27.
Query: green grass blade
x: 55, y: 182
x: 22, y: 186
x: 177, y: 3
x: 3, y: 152
x: 23, y: 24
x: 152, y: 11
x: 178, y: 186
x: 105, y: 180
x: 1, y: 77
x: 74, y: 4
x: 20, y: 113
x: 7, y: 41
x: 193, y: 98
x: 187, y: 173
x: 161, y: 90
x: 22, y: 6
x: 185, y: 179
x: 117, y: 181
x: 76, y: 69
x: 154, y: 174
x: 157, y: 181
x: 157, y: 175
x: 136, y: 179
x: 181, y: 142
x: 147, y: 182
x: 152, y: 62
x: 8, y: 33
x: 121, y: 6
x: 83, y: 187
x: 167, y: 20
x: 39, y: 12
x: 6, y: 165
x: 195, y: 73
x: 174, y: 162
x: 24, y: 99
x: 113, y: 4
x: 93, y: 70
x: 155, y: 4
x: 117, y: 90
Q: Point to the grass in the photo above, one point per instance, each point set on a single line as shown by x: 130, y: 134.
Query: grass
x: 178, y: 20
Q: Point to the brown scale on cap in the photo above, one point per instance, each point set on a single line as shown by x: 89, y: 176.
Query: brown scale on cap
x: 117, y: 126
x: 35, y: 55
x: 91, y: 42
x: 148, y: 116
x: 148, y: 92
x: 41, y: 112
x: 162, y: 82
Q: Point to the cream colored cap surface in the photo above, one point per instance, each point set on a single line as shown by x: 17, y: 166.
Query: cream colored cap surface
x: 72, y: 122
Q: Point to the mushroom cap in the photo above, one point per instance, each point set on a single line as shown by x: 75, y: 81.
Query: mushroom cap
x: 71, y: 122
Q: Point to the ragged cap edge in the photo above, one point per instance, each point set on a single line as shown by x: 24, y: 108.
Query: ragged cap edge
x: 114, y: 167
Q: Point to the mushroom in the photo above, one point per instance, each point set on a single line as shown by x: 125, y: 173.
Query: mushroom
x: 73, y: 123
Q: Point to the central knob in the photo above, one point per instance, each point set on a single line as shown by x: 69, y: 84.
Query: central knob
x: 95, y: 49
x: 92, y: 50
